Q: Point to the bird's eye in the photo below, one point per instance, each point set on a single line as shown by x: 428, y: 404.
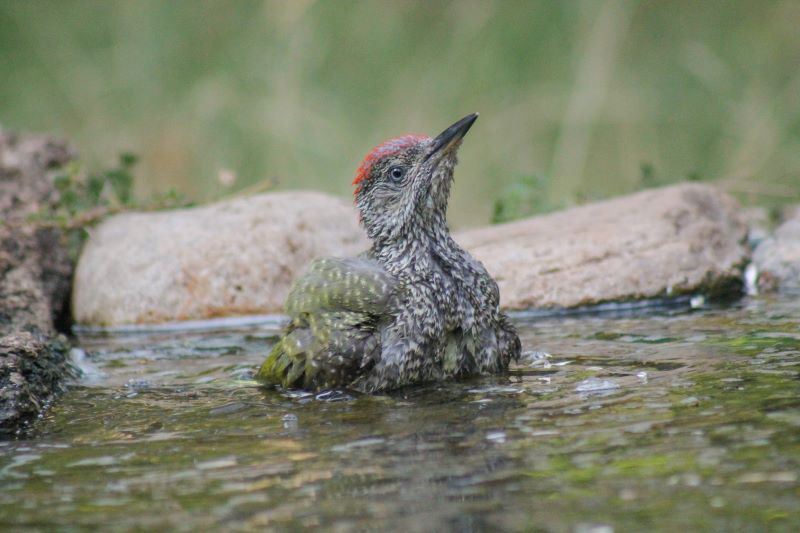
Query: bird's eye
x: 397, y: 173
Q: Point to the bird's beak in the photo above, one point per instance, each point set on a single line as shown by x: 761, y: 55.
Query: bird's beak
x: 450, y: 137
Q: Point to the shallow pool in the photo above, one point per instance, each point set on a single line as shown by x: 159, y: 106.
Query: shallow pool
x: 660, y: 421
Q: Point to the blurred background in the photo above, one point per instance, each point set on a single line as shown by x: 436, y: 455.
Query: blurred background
x: 579, y: 100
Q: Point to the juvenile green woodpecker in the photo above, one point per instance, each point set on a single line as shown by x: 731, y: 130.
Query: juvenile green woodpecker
x: 413, y: 308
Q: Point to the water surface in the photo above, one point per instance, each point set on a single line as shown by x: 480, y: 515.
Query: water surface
x: 658, y: 421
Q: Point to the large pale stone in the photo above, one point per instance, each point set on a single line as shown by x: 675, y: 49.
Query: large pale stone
x: 654, y: 243
x: 229, y: 258
x: 240, y: 257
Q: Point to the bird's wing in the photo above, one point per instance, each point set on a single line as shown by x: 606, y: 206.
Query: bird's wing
x: 335, y: 308
x: 353, y: 284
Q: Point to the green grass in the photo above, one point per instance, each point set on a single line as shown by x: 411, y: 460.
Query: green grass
x: 600, y: 97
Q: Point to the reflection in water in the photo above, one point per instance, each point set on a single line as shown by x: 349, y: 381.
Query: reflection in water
x: 649, y: 422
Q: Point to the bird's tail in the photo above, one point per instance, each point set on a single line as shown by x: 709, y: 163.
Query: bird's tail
x: 286, y: 364
x: 274, y: 368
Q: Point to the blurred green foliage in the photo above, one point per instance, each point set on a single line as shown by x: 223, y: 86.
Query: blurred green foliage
x: 224, y: 94
x: 523, y: 196
x: 79, y: 193
x: 84, y: 198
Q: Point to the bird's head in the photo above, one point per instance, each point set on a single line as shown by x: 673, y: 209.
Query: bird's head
x: 403, y: 184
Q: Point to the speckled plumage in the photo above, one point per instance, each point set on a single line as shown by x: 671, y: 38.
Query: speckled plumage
x: 415, y: 307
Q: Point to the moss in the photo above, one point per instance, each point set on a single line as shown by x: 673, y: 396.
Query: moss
x: 85, y: 198
x: 656, y: 465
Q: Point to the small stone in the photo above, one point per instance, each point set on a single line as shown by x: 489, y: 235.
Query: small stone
x: 777, y: 258
x: 691, y: 401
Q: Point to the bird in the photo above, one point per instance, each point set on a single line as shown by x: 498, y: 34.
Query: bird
x: 415, y: 307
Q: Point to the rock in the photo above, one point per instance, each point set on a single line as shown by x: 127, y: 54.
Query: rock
x: 777, y: 258
x: 680, y: 239
x: 32, y: 373
x: 240, y: 256
x: 229, y: 258
x: 757, y: 219
x: 35, y: 272
x: 790, y: 212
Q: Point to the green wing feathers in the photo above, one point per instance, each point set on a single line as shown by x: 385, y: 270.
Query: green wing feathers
x: 334, y: 311
x: 341, y: 284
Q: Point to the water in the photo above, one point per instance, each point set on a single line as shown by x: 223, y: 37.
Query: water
x: 656, y: 422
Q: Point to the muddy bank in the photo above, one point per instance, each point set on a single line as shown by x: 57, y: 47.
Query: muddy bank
x: 35, y: 274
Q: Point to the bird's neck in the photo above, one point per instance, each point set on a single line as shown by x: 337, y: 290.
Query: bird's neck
x: 421, y: 248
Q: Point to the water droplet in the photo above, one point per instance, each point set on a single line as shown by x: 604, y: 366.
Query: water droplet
x: 498, y: 437
x: 751, y: 279
x: 697, y: 301
x: 333, y: 396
